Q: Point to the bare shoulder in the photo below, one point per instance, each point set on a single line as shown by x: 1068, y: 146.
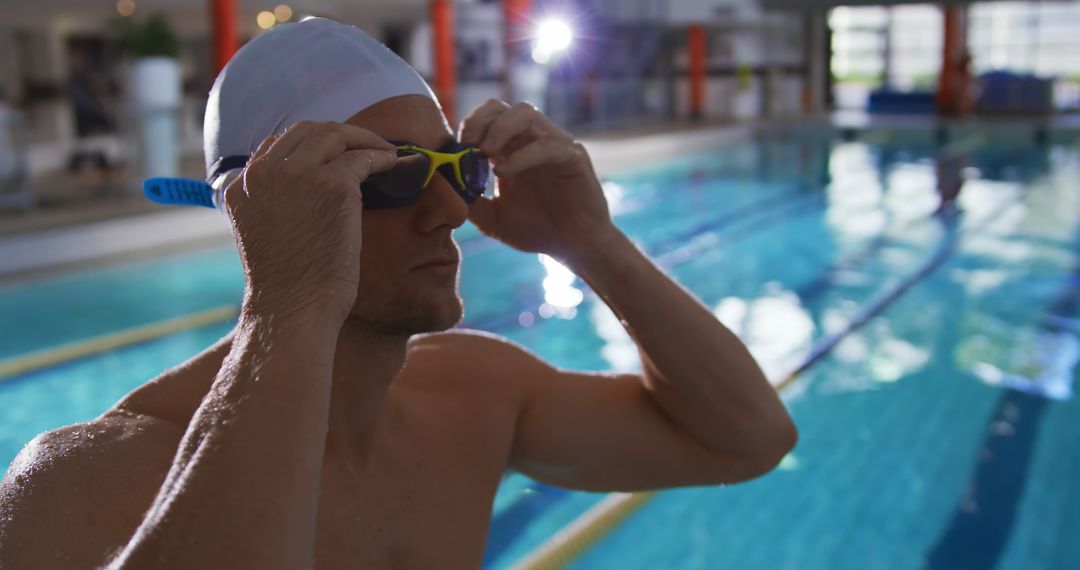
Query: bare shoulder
x: 482, y: 354
x: 459, y: 343
x: 75, y: 494
x: 479, y: 366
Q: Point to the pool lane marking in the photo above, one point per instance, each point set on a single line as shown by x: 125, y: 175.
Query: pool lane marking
x: 982, y: 523
x: 18, y: 365
x: 874, y: 308
x: 572, y: 541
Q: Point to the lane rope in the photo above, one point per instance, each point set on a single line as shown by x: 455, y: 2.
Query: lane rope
x: 19, y: 365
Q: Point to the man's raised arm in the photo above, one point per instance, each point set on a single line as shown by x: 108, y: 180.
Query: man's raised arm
x: 698, y: 376
x: 695, y: 369
x: 243, y: 489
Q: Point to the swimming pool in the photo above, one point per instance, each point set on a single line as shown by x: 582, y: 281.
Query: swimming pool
x: 919, y: 444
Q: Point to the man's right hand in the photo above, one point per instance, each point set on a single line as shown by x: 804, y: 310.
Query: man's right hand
x: 296, y: 214
x: 255, y: 447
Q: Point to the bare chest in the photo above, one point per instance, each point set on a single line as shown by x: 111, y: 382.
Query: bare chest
x: 422, y: 500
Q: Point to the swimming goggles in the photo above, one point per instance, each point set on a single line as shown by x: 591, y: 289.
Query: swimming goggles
x: 462, y: 165
x: 466, y: 169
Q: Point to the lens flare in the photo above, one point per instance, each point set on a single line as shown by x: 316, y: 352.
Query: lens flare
x: 552, y: 36
x: 125, y: 7
x: 266, y: 20
x: 560, y: 295
x: 283, y: 13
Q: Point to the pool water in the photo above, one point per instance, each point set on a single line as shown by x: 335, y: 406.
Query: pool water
x: 941, y: 432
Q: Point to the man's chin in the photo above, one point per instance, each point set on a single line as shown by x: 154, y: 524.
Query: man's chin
x: 431, y: 322
x: 447, y: 318
x: 406, y: 319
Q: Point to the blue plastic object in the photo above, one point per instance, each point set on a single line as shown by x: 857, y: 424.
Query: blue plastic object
x: 1004, y: 92
x: 179, y: 192
x: 901, y: 102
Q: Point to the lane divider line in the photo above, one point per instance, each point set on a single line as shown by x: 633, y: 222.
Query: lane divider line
x: 33, y: 361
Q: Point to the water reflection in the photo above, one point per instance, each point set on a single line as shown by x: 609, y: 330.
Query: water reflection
x: 619, y: 349
x: 615, y: 195
x: 855, y: 196
x: 911, y: 192
x: 561, y: 298
x: 1030, y: 359
x: 894, y: 358
x: 775, y: 327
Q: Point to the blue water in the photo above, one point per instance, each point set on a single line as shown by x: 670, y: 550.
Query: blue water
x: 912, y: 454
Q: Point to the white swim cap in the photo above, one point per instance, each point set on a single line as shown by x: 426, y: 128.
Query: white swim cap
x: 317, y: 69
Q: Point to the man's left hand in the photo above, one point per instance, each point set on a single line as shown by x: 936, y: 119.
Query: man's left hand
x: 550, y: 200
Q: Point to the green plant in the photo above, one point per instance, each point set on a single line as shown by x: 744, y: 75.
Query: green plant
x: 155, y: 37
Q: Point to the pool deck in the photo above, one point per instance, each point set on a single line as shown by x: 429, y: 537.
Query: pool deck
x: 76, y: 227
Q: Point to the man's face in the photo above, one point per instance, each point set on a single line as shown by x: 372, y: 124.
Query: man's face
x: 398, y: 294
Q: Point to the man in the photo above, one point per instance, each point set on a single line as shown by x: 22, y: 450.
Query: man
x: 337, y: 427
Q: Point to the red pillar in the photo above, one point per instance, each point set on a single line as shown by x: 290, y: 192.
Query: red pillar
x: 515, y: 36
x: 951, y: 81
x: 697, y: 70
x: 223, y: 24
x: 442, y: 25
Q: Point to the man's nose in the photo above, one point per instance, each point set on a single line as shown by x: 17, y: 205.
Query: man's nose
x: 440, y: 205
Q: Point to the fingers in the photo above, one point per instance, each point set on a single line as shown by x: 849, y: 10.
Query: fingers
x: 329, y: 140
x: 360, y: 164
x: 284, y: 143
x: 475, y: 125
x: 546, y: 150
x: 334, y: 156
x: 523, y: 120
x: 484, y: 213
x: 265, y: 145
x: 500, y: 129
x: 311, y: 143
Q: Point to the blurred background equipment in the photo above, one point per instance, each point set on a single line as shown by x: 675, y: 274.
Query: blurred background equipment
x: 152, y: 92
x: 15, y: 192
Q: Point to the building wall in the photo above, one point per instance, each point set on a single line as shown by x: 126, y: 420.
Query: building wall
x: 756, y: 59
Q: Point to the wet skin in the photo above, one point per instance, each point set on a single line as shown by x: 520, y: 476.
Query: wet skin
x: 423, y: 421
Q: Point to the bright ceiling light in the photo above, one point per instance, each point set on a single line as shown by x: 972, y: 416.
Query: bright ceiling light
x: 552, y: 36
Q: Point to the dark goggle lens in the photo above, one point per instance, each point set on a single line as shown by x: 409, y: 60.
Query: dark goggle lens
x: 475, y: 172
x: 399, y: 185
x: 407, y: 176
